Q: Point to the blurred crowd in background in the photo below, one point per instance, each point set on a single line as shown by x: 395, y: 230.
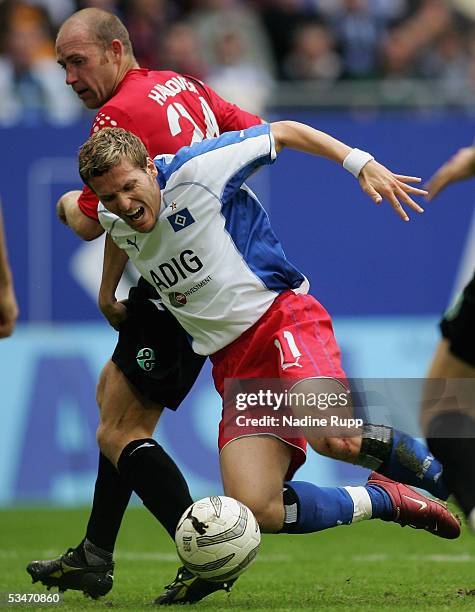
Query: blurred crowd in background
x: 243, y: 48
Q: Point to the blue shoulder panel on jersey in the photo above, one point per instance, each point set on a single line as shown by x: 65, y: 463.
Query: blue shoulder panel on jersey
x: 247, y: 223
x: 236, y: 180
x: 167, y: 167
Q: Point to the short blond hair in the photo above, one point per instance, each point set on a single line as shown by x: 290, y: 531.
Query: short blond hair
x: 106, y: 149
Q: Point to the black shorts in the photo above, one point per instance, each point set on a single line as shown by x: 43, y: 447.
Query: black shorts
x: 154, y: 352
x: 458, y: 325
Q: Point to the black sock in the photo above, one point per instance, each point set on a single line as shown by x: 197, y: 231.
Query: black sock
x: 111, y: 496
x: 451, y: 438
x: 157, y: 480
x: 94, y: 554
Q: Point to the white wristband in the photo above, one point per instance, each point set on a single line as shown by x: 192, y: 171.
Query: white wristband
x: 356, y: 160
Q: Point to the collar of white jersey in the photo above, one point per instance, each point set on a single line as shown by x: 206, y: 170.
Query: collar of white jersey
x: 164, y: 166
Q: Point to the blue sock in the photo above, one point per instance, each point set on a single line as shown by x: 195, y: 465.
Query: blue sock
x: 309, y: 508
x: 411, y: 462
x: 381, y: 503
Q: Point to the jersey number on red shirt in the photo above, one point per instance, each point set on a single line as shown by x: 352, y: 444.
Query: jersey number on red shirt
x: 176, y: 110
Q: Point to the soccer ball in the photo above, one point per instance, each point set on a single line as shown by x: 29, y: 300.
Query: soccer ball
x: 217, y: 538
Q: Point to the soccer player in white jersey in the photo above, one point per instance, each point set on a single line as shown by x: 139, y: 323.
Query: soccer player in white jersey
x: 197, y: 233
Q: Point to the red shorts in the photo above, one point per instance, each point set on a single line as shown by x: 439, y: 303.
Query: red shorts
x: 294, y: 339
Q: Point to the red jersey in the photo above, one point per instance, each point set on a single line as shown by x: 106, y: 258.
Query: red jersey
x: 167, y: 111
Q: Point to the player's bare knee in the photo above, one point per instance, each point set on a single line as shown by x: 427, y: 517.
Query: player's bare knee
x: 109, y: 432
x: 112, y: 442
x: 104, y: 439
x: 269, y: 514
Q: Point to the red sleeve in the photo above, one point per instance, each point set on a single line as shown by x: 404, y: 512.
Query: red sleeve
x: 108, y: 116
x: 87, y: 203
x: 229, y: 116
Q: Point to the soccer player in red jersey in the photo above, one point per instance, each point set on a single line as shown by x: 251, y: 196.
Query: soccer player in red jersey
x: 164, y: 109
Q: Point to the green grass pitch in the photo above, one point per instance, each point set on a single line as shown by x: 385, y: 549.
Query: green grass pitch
x: 365, y: 567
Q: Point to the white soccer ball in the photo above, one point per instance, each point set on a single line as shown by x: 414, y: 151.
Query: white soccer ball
x: 217, y: 538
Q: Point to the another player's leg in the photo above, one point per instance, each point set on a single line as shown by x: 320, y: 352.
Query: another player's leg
x: 127, y: 424
x: 128, y: 421
x: 89, y: 566
x: 450, y: 426
x: 94, y: 554
x: 125, y: 438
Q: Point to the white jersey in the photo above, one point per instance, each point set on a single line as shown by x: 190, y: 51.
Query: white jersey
x: 212, y: 254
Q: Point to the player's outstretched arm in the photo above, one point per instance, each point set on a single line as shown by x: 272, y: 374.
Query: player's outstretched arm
x: 113, y: 266
x: 8, y: 303
x: 375, y: 179
x: 70, y: 214
x: 459, y: 167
